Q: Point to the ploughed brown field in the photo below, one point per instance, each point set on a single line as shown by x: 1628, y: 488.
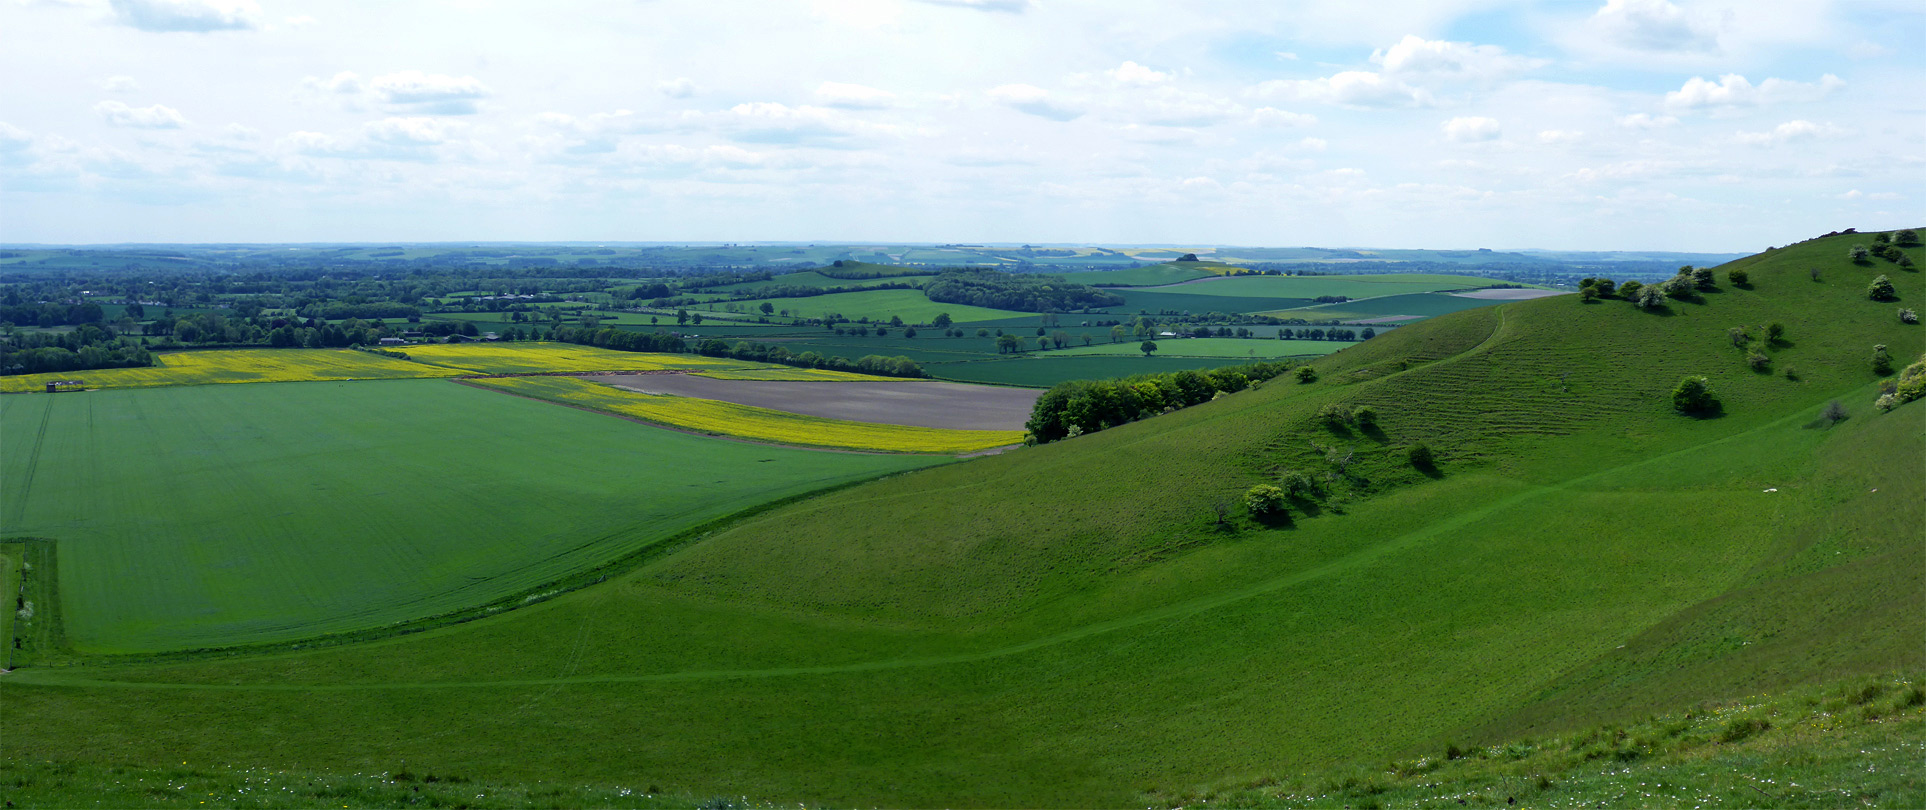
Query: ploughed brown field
x: 920, y: 403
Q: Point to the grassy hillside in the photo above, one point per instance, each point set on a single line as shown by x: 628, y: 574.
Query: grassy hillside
x: 1078, y: 624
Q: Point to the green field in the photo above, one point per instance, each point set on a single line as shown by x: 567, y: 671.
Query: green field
x: 1232, y: 348
x: 275, y: 512
x: 876, y: 305
x: 1422, y: 304
x: 1098, y: 622
x: 1365, y: 286
x: 1146, y: 276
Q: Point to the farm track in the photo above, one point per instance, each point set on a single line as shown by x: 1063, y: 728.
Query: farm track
x: 1363, y: 557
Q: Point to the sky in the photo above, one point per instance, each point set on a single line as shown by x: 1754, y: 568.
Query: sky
x: 1724, y: 125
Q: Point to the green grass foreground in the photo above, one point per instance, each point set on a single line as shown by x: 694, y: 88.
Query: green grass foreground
x: 1099, y: 622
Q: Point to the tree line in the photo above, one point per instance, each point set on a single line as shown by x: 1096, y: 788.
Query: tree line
x: 998, y: 290
x: 1087, y: 406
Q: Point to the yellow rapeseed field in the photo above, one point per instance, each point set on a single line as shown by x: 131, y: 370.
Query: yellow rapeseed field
x: 239, y: 366
x: 536, y: 358
x: 760, y: 424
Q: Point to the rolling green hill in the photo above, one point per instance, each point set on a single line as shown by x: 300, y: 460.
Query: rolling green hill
x: 1099, y: 622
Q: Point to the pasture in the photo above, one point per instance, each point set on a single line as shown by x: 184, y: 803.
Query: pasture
x: 238, y: 366
x: 719, y: 418
x: 1228, y: 348
x: 543, y: 358
x: 877, y: 305
x: 275, y: 512
x: 1423, y: 305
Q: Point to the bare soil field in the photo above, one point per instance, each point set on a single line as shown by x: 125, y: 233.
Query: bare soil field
x: 957, y: 406
x: 1510, y: 295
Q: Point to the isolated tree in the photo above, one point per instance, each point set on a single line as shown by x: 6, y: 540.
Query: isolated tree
x: 1629, y: 290
x: 1758, y: 360
x: 1881, y: 289
x: 1702, y: 278
x: 1587, y: 295
x: 941, y: 320
x: 909, y: 332
x: 1306, y: 374
x: 1420, y: 455
x: 1814, y: 272
x: 1369, y: 333
x: 1264, y: 500
x: 1086, y: 338
x: 1908, y: 316
x: 1738, y: 336
x: 1833, y: 413
x: 982, y: 333
x: 1906, y: 238
x: 1651, y: 296
x: 1059, y: 339
x: 767, y: 308
x: 1606, y: 287
x: 1364, y: 416
x: 1775, y: 332
x: 1694, y: 396
x: 1859, y: 254
x: 695, y: 318
x: 1297, y: 484
x: 1882, y: 361
x: 1147, y: 347
x: 895, y: 320
x: 1737, y: 277
x: 1117, y: 333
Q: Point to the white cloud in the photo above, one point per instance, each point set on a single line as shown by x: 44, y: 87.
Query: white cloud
x: 1471, y: 129
x: 1646, y: 121
x: 854, y: 96
x: 419, y: 139
x: 155, y: 117
x: 421, y: 93
x: 1418, y: 59
x: 1134, y: 74
x: 1732, y: 90
x: 118, y: 84
x: 300, y: 21
x: 774, y: 123
x: 1033, y: 100
x: 1789, y: 132
x: 681, y: 87
x: 188, y: 15
x: 13, y: 139
x: 1274, y: 117
x: 1867, y: 49
x: 1560, y: 136
x: 414, y: 131
x: 1654, y: 25
x: 1351, y: 88
x: 1012, y: 6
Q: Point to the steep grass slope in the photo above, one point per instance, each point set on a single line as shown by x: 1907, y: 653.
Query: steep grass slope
x: 1078, y: 624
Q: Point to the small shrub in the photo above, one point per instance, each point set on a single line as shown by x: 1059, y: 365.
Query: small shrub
x: 1297, y: 484
x: 1790, y: 373
x: 1881, y: 289
x: 1815, y: 273
x: 1738, y: 336
x: 1905, y: 262
x: 1694, y: 395
x: 1364, y: 416
x: 1743, y: 728
x: 1775, y: 332
x: 1679, y: 287
x: 1629, y: 290
x: 1886, y: 402
x: 1737, y: 277
x: 1859, y: 254
x: 1702, y: 278
x: 1651, y: 296
x: 1333, y: 415
x: 1906, y: 238
x: 1264, y: 500
x: 1882, y: 361
x: 1908, y: 316
x: 1758, y: 360
x: 1307, y: 375
x: 1587, y: 295
x: 1421, y: 456
x: 1833, y: 413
